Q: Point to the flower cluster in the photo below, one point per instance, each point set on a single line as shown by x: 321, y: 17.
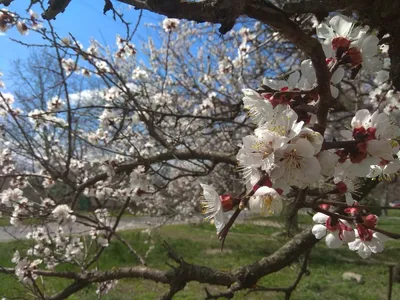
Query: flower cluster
x: 170, y: 25
x: 359, y: 236
x: 375, y: 154
x: 285, y: 151
x: 13, y: 197
x: 125, y: 48
x: 104, y: 220
x: 62, y: 213
x: 343, y: 41
x: 281, y: 146
x: 9, y: 20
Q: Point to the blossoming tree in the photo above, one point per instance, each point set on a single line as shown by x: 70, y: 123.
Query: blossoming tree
x: 171, y: 128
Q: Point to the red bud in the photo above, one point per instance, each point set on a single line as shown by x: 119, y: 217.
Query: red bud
x: 370, y: 220
x: 226, y: 201
x: 342, y: 187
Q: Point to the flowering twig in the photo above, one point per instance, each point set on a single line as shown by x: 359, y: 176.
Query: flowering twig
x: 224, y: 232
x: 343, y: 204
x: 357, y: 220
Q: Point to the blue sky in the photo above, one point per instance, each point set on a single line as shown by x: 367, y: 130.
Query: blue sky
x: 83, y: 18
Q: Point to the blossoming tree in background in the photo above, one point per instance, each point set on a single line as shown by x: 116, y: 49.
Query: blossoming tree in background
x: 153, y: 135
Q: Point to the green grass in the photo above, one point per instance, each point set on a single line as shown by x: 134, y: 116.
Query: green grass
x: 5, y: 221
x: 245, y: 244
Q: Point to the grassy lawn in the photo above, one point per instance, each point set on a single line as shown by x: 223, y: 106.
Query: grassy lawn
x: 246, y: 243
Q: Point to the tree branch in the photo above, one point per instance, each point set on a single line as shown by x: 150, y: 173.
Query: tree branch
x: 215, y: 157
x: 241, y: 278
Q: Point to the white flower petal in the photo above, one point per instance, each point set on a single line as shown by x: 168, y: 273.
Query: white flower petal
x: 337, y: 76
x: 293, y: 79
x: 327, y: 161
x: 319, y: 231
x: 364, y: 251
x: 361, y: 118
x: 311, y: 167
x: 349, y: 199
x: 274, y: 84
x: 372, y: 64
x: 334, y: 91
x: 369, y: 46
x: 304, y: 148
x: 374, y: 172
x: 219, y: 221
x: 212, y: 201
x: 381, y: 237
x: 265, y: 190
x: 324, y: 31
x: 381, y: 77
x: 348, y: 236
x: 307, y: 71
x: 328, y: 51
x: 341, y: 24
x: 354, y: 246
x: 375, y: 245
x: 276, y: 205
x: 377, y: 148
x: 332, y: 240
x: 392, y: 167
x: 320, y: 218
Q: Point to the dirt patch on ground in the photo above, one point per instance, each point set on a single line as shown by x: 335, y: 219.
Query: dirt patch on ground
x: 266, y: 223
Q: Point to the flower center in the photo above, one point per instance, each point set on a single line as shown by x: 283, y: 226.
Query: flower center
x: 394, y: 144
x: 266, y: 202
x: 263, y: 148
x: 308, y: 136
x: 342, y: 187
x: 292, y: 159
x: 340, y: 42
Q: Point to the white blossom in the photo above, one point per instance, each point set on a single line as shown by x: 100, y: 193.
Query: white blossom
x: 212, y: 207
x: 266, y: 201
x: 63, y: 214
x: 170, y: 25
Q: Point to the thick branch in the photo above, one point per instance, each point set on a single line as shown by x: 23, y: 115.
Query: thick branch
x: 317, y: 6
x: 241, y: 278
x: 286, y: 255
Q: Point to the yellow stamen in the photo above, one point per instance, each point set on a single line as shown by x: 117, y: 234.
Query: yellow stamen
x: 267, y: 202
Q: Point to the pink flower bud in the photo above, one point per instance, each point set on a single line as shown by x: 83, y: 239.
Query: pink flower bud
x: 325, y: 206
x: 352, y: 210
x: 370, y: 220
